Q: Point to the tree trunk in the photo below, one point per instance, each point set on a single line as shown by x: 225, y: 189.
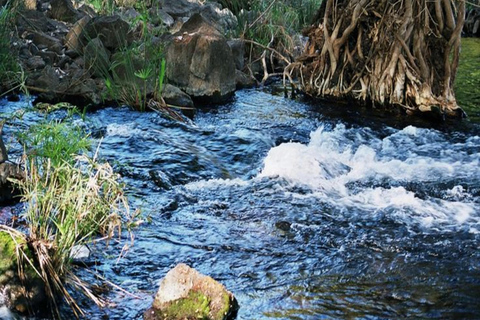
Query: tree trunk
x: 389, y: 53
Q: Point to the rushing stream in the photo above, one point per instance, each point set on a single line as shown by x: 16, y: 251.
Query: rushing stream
x: 300, y: 212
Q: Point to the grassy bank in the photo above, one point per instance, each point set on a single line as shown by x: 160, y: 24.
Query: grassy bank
x: 467, y: 83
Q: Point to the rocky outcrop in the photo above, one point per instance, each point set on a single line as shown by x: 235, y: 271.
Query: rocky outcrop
x: 186, y: 294
x: 68, y: 52
x: 200, y: 62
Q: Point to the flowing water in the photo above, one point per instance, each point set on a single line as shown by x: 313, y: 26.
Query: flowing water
x: 302, y: 211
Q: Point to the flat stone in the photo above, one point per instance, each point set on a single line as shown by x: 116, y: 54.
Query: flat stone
x: 35, y: 63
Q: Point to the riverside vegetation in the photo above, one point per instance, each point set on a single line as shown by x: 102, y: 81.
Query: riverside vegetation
x: 71, y: 198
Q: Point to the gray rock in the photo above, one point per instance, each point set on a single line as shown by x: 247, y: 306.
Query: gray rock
x: 79, y: 252
x: 74, y: 40
x: 223, y: 19
x: 48, y: 79
x: 112, y: 30
x: 31, y: 18
x: 63, y: 10
x: 159, y: 16
x: 49, y: 57
x: 238, y: 51
x: 35, y: 63
x: 97, y: 58
x: 200, y: 62
x: 174, y: 96
x: 180, y: 8
x: 130, y: 14
x: 242, y: 80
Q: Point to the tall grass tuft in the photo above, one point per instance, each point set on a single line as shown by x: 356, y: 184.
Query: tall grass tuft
x: 137, y: 73
x: 70, y: 200
x: 10, y: 70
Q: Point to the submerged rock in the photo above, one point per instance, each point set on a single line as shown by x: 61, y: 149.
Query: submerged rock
x: 187, y: 294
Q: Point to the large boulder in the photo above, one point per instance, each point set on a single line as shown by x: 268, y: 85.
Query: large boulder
x: 186, y: 294
x: 200, y: 62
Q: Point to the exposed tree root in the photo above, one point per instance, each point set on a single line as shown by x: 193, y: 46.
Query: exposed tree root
x: 390, y: 53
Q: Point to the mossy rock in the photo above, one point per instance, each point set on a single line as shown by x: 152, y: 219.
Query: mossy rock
x: 194, y: 306
x: 27, y: 296
x: 186, y: 294
x: 8, y: 257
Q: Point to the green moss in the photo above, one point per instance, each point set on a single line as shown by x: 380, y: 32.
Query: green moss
x: 226, y: 307
x: 8, y: 259
x: 194, y: 307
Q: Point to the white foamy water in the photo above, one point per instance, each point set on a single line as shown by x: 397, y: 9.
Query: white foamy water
x: 353, y: 169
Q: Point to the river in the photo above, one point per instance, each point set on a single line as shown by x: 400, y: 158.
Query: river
x: 303, y: 211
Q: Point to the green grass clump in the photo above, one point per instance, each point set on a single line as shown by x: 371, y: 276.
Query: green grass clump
x: 271, y: 29
x: 137, y: 72
x: 70, y: 199
x: 56, y: 141
x: 283, y: 19
x: 10, y: 71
